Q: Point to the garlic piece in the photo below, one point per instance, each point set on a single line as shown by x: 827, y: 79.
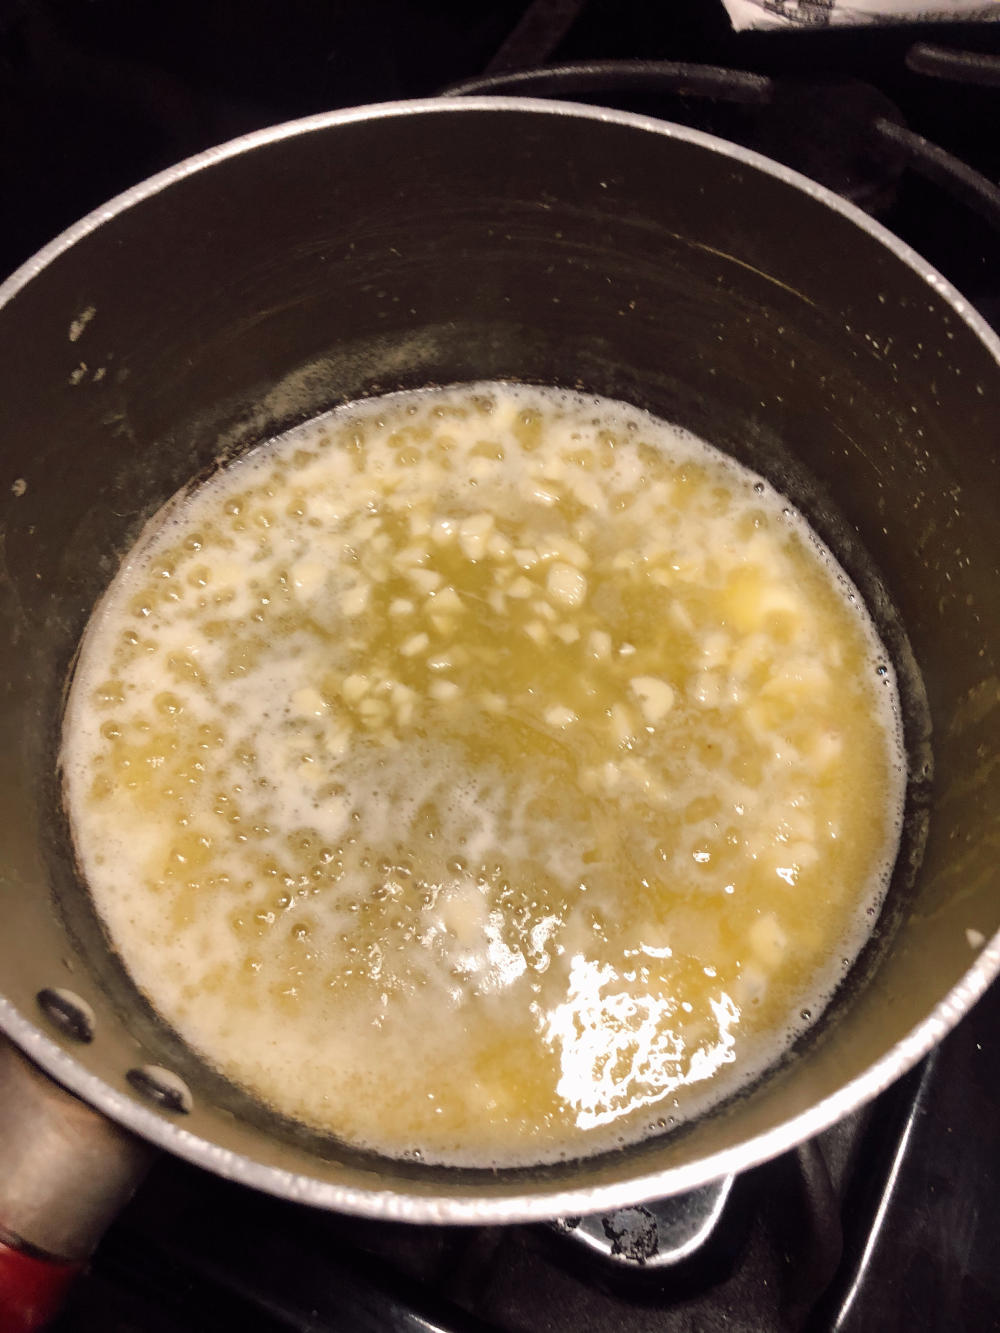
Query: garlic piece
x: 308, y: 577
x: 447, y: 599
x: 549, y: 469
x: 625, y: 560
x: 403, y: 703
x: 427, y: 580
x: 354, y: 600
x: 543, y: 609
x: 337, y: 742
x: 566, y: 584
x: 474, y: 534
x: 443, y: 531
x: 639, y: 773
x: 706, y: 688
x: 373, y: 711
x: 656, y: 697
x: 354, y: 687
x: 681, y: 616
x: 767, y: 940
x: 521, y: 588
x: 587, y: 491
x: 599, y: 644
x: 750, y: 986
x: 416, y: 643
x: 412, y: 555
x: 623, y: 726
x: 715, y: 648
x: 309, y: 702
x: 826, y: 747
x: 568, y: 550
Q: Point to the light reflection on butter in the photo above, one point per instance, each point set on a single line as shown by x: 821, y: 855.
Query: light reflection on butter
x: 619, y: 1050
x: 506, y: 964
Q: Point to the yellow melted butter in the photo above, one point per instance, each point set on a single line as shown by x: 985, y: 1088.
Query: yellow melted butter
x: 492, y: 772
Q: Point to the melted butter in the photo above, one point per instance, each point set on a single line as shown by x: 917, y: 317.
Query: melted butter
x: 491, y: 772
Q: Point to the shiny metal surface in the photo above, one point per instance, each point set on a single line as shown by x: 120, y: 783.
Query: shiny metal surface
x: 661, y: 1233
x: 578, y: 181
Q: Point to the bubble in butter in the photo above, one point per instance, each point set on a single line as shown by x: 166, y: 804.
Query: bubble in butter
x: 490, y: 773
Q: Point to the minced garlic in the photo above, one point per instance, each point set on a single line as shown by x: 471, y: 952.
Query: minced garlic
x: 490, y: 771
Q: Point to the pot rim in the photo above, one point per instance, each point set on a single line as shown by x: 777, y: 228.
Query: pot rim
x: 542, y: 1204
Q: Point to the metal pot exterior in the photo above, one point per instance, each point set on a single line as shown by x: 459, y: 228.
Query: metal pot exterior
x: 418, y: 243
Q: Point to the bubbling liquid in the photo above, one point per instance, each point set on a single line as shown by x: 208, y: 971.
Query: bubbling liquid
x: 491, y: 773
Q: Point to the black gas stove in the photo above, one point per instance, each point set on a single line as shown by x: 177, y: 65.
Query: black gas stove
x: 887, y: 1221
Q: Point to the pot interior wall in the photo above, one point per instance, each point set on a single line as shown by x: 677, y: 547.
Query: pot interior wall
x: 467, y: 242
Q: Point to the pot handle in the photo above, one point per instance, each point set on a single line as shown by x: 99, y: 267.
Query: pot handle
x: 32, y: 1288
x: 65, y: 1172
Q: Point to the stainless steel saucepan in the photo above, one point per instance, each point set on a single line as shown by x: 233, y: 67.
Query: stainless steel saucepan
x: 431, y: 242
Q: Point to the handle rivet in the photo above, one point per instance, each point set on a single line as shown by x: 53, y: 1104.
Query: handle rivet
x: 66, y: 1011
x: 162, y: 1087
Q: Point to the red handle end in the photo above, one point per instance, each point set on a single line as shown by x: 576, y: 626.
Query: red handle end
x: 31, y: 1289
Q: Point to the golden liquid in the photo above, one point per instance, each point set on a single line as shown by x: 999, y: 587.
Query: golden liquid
x: 492, y: 773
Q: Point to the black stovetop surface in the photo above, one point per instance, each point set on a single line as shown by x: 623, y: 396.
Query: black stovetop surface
x: 887, y: 1222
x: 98, y: 94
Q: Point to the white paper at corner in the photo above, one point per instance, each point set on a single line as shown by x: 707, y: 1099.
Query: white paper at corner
x: 829, y: 13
